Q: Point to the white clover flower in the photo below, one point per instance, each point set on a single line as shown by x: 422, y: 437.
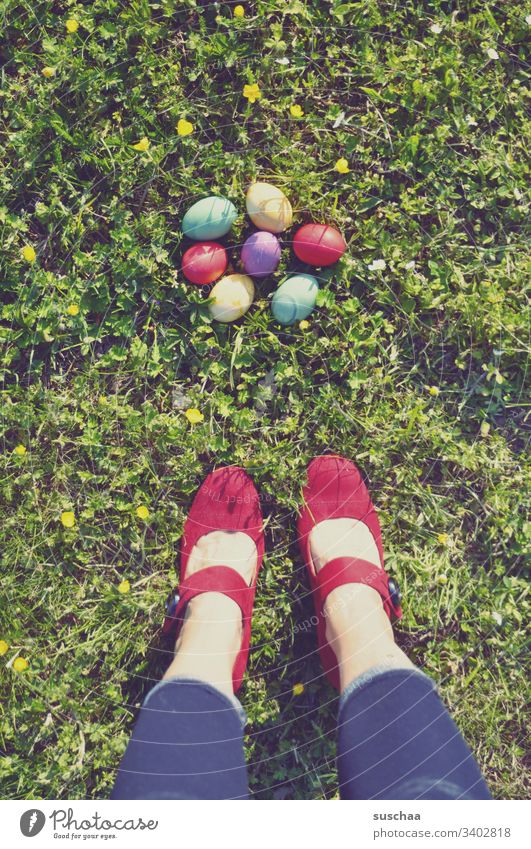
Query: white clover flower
x: 528, y: 20
x: 497, y: 618
x: 377, y: 265
x: 436, y: 29
x: 410, y: 265
x: 492, y: 53
x: 471, y: 121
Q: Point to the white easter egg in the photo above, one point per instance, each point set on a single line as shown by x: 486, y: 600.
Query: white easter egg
x: 231, y: 297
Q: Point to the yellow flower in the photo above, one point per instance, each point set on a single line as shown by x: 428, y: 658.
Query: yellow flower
x: 184, y: 127
x: 142, y: 512
x: 443, y: 539
x: 48, y: 72
x: 20, y: 664
x: 20, y: 450
x: 72, y: 25
x: 298, y: 689
x: 68, y: 519
x: 252, y: 92
x: 484, y: 429
x: 304, y: 325
x: 142, y: 145
x: 124, y: 587
x: 28, y: 253
x: 73, y: 309
x: 3, y: 647
x: 341, y: 166
x: 239, y: 12
x: 194, y: 415
x: 434, y: 390
x: 296, y: 110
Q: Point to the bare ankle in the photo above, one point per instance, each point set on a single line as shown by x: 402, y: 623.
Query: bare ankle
x: 359, y: 632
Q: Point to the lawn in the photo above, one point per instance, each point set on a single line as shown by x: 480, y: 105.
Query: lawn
x: 413, y: 363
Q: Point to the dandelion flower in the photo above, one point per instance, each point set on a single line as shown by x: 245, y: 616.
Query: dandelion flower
x: 48, y: 72
x: 142, y: 145
x: 28, y: 253
x: 298, y: 689
x: 239, y: 12
x: 68, y: 519
x: 3, y: 647
x: 377, y: 265
x: 493, y: 54
x: 20, y: 450
x: 194, y: 415
x: 20, y: 664
x: 442, y: 539
x: 142, y: 512
x: 73, y: 309
x: 296, y: 110
x: 304, y: 325
x: 184, y: 127
x: 124, y: 587
x: 72, y: 25
x: 252, y: 92
x: 434, y: 390
x: 341, y: 166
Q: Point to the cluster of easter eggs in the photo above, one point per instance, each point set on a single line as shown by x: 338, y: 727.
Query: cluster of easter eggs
x: 206, y: 262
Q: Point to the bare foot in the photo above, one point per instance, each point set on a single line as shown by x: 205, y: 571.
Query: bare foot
x: 210, y: 637
x: 357, y: 627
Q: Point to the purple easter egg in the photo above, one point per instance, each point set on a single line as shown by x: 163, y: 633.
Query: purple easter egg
x: 260, y: 254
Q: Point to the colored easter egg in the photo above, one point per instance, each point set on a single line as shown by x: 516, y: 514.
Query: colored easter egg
x: 319, y: 244
x: 260, y: 254
x: 209, y: 218
x: 268, y: 208
x: 205, y: 262
x: 295, y: 298
x: 231, y: 297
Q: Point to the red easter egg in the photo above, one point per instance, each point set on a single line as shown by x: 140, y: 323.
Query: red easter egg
x: 204, y: 262
x: 319, y: 244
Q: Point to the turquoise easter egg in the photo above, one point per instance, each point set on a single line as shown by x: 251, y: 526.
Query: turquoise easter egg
x: 209, y: 218
x: 295, y: 298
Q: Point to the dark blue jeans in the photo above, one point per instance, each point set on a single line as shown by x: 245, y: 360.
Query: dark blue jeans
x: 396, y: 740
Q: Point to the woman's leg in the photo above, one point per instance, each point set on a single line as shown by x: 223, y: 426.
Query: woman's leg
x: 396, y: 739
x: 188, y: 740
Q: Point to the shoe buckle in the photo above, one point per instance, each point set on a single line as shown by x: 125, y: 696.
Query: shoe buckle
x: 170, y: 605
x: 394, y: 592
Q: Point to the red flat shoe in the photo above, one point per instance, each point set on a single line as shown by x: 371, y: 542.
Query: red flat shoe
x: 335, y: 490
x: 227, y: 500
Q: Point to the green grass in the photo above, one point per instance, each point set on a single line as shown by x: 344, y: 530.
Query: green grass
x: 434, y: 131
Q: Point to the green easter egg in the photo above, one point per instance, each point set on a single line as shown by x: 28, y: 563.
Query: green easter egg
x: 209, y: 218
x: 295, y: 298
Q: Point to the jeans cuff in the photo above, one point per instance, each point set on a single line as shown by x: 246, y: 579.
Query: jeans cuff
x: 183, y: 679
x: 374, y: 672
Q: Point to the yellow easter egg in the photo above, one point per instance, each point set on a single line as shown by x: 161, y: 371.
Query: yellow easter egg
x: 268, y: 208
x: 231, y: 297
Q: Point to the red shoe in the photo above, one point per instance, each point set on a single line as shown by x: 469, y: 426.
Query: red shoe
x: 335, y: 490
x: 227, y: 500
